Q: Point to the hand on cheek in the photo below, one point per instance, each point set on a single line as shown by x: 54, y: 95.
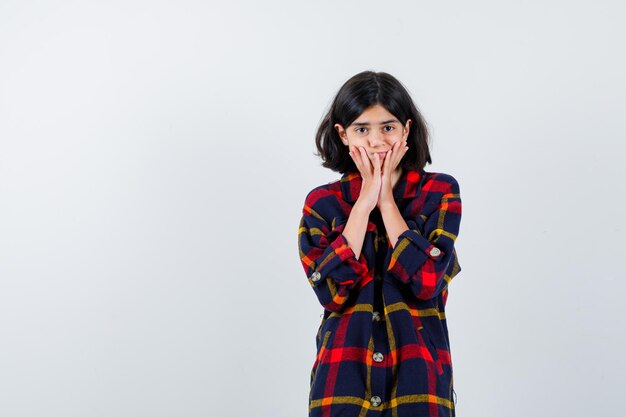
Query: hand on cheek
x: 390, y: 164
x: 370, y: 172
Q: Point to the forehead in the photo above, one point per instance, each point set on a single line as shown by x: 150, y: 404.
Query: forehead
x: 375, y: 115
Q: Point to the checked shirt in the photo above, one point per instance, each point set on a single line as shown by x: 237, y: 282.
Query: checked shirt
x: 382, y: 345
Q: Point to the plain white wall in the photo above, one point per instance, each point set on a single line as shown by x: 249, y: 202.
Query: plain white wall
x: 155, y: 156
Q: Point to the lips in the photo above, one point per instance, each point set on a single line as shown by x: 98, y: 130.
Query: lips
x: 381, y: 154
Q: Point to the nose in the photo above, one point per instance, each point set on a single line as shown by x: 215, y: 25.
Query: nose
x: 375, y: 139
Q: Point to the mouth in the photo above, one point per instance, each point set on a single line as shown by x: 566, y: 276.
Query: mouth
x: 381, y: 154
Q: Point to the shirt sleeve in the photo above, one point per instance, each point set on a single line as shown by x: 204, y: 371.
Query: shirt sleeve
x: 328, y: 261
x: 424, y: 256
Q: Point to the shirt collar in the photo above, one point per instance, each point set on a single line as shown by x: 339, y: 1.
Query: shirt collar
x: 407, y: 186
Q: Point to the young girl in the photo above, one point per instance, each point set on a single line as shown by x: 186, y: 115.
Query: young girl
x: 377, y: 247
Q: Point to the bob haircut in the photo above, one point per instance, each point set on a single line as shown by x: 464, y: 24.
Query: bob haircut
x: 363, y: 90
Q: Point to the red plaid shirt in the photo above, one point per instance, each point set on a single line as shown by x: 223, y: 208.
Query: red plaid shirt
x: 382, y: 345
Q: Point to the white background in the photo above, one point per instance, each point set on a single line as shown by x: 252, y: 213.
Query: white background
x: 155, y: 156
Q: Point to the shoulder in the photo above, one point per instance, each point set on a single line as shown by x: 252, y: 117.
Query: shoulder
x: 440, y: 182
x: 324, y: 198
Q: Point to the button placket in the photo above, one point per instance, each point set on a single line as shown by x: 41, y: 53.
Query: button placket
x: 378, y: 373
x: 380, y: 345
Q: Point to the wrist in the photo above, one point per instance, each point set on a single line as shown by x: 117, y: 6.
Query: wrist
x: 387, y: 206
x: 361, y: 207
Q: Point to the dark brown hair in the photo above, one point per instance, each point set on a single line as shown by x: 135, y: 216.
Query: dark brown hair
x: 357, y: 94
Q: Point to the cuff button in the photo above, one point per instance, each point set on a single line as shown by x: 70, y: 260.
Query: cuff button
x: 315, y: 276
x: 435, y: 252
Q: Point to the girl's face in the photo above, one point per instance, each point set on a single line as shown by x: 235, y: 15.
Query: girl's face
x: 375, y: 129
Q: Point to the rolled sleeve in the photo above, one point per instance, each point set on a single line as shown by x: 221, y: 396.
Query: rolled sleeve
x: 410, y: 252
x: 428, y: 261
x: 337, y: 261
x: 328, y: 261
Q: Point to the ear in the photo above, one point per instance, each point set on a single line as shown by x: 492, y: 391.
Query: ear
x: 407, y: 127
x: 342, y: 133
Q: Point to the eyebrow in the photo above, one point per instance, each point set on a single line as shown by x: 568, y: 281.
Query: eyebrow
x: 382, y: 123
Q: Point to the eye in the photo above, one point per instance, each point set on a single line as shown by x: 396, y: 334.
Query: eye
x: 360, y: 129
x: 390, y: 128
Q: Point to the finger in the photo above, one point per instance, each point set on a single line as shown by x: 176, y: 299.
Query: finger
x: 397, y: 147
x: 353, y: 155
x: 356, y: 156
x: 376, y: 164
x: 399, y: 152
x: 403, y: 147
x: 365, y: 159
x: 388, y: 161
x: 383, y: 162
x: 363, y: 168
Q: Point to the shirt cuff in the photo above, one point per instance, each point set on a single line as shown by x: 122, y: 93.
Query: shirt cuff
x: 409, y: 254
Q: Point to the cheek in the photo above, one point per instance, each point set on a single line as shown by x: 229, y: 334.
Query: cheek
x: 394, y: 137
x: 357, y: 141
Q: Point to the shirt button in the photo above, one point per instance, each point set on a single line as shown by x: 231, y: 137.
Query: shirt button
x: 377, y: 356
x: 376, y: 316
x: 315, y: 276
x: 435, y: 251
x: 375, y: 400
